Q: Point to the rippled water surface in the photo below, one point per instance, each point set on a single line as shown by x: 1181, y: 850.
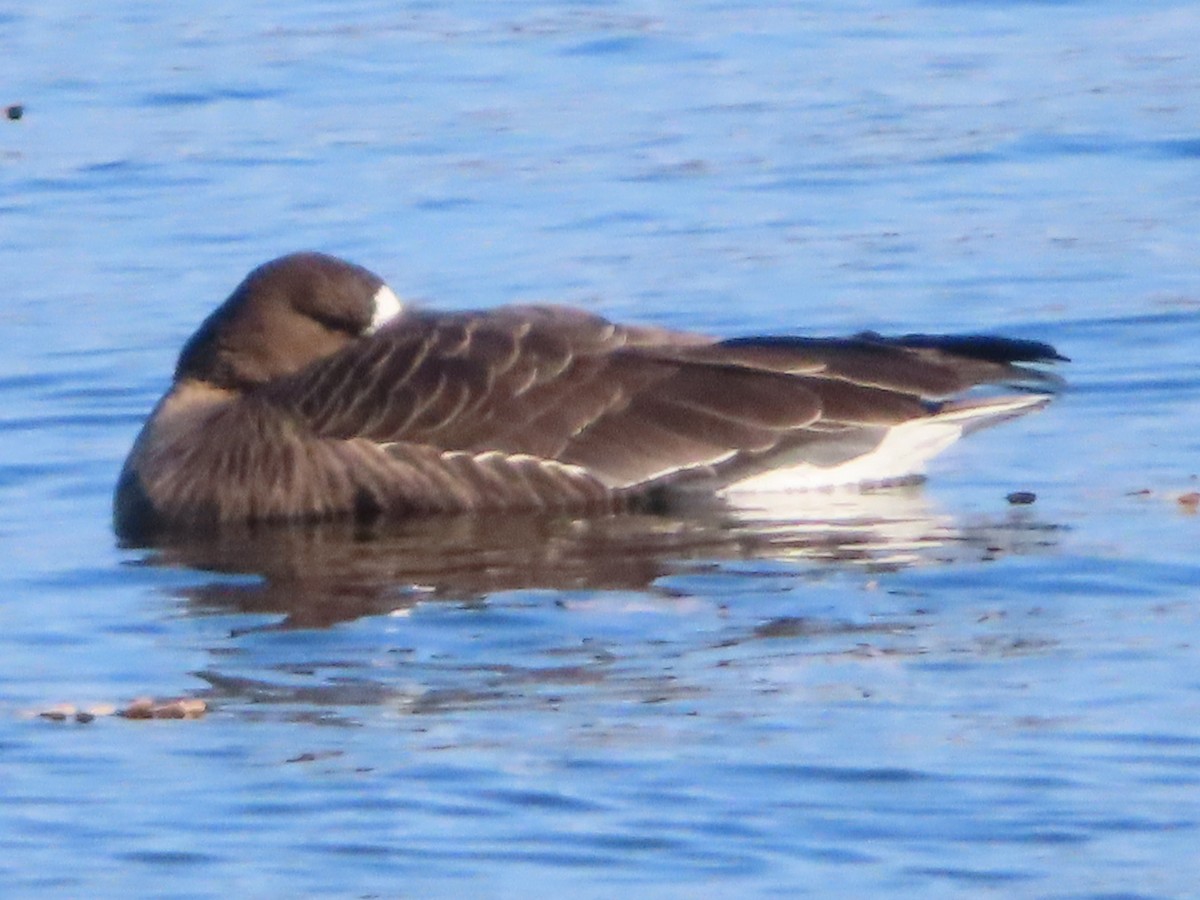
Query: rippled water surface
x: 919, y: 692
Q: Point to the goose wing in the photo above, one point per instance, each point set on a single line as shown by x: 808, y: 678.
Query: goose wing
x: 568, y: 401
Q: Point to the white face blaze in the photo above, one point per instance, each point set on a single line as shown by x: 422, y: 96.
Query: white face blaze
x: 387, y: 306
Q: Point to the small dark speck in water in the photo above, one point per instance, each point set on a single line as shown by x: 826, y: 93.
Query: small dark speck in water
x: 802, y: 626
x: 315, y: 757
x: 14, y: 112
x: 1021, y: 498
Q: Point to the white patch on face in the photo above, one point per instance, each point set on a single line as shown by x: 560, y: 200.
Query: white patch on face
x: 387, y: 307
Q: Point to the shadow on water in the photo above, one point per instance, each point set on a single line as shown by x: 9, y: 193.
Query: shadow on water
x: 316, y: 577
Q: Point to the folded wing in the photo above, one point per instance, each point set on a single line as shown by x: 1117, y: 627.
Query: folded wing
x: 558, y: 404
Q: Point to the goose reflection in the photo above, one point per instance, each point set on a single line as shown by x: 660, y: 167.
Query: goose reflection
x: 318, y: 576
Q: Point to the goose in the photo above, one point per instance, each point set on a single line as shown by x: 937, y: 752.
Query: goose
x: 313, y: 393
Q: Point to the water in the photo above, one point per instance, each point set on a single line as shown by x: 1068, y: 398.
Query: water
x: 923, y: 691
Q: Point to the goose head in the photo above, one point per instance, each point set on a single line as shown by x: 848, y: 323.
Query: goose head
x: 286, y: 314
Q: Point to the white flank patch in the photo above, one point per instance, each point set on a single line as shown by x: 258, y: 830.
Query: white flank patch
x: 903, y: 453
x: 387, y: 307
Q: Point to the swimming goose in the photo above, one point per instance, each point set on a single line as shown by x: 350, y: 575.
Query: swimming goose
x: 313, y: 393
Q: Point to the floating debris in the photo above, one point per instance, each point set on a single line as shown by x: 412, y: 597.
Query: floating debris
x: 141, y: 708
x: 175, y: 708
x: 67, y: 712
x: 14, y: 112
x: 1189, y: 501
x: 1021, y: 498
x: 59, y: 713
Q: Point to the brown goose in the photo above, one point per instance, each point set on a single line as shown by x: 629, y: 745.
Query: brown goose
x: 312, y: 393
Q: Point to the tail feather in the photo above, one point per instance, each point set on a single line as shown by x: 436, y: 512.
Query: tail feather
x: 973, y: 415
x: 989, y: 348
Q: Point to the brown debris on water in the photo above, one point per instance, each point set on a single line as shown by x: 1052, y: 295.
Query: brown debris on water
x: 141, y: 708
x: 175, y: 708
x: 59, y: 713
x: 1187, y: 502
x: 64, y: 712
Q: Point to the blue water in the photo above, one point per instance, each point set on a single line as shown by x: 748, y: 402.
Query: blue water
x: 926, y: 692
